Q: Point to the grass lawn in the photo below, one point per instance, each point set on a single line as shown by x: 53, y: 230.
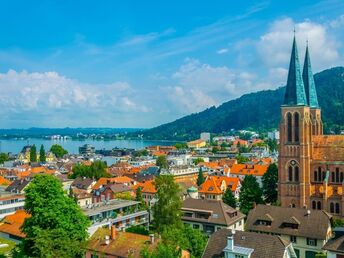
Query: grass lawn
x: 6, y: 250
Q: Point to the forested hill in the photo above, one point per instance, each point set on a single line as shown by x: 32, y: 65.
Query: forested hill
x: 257, y: 111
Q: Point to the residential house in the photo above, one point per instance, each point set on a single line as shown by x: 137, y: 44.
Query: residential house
x: 182, y: 170
x: 19, y: 185
x: 10, y: 227
x: 335, y: 246
x: 83, y: 183
x: 215, y: 186
x: 120, y: 213
x: 242, y: 170
x: 10, y: 203
x: 108, y: 242
x: 112, y: 191
x: 308, y: 230
x: 211, y: 215
x: 240, y: 244
x: 148, y: 192
x: 82, y: 197
x: 196, y: 144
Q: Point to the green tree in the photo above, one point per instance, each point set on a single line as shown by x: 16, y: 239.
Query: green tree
x: 250, y: 194
x: 241, y: 159
x: 161, y: 162
x: 272, y: 144
x: 228, y: 198
x: 198, y: 160
x: 33, y: 153
x: 200, y: 178
x: 167, y: 210
x: 3, y: 157
x: 139, y: 198
x: 181, y: 145
x: 58, y: 150
x: 270, y: 180
x: 42, y: 157
x: 57, y: 227
x: 139, y: 229
x: 96, y: 170
x: 162, y: 250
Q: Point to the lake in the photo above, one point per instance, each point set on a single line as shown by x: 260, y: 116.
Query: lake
x: 72, y: 146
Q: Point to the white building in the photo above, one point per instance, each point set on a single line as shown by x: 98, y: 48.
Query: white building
x: 205, y: 137
x: 274, y: 135
x: 10, y: 203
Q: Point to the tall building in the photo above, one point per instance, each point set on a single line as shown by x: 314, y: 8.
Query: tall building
x: 311, y: 164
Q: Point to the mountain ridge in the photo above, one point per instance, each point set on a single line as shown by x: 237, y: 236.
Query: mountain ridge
x: 238, y: 113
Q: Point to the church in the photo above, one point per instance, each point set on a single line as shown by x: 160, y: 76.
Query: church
x: 311, y: 164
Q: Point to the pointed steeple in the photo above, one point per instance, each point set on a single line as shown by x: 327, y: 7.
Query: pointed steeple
x: 295, y: 92
x: 308, y: 81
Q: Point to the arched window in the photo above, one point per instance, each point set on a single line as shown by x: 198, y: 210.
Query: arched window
x: 332, y: 175
x: 313, y: 205
x: 337, y: 208
x: 296, y: 127
x: 289, y: 127
x: 319, y: 205
x: 324, y: 175
x: 331, y: 207
x: 341, y: 177
x: 319, y: 174
x: 296, y: 174
x: 337, y: 175
x: 315, y: 176
x: 290, y: 173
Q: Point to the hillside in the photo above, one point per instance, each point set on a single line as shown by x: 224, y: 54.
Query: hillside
x: 258, y: 111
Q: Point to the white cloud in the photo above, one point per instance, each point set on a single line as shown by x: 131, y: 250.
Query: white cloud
x: 49, y: 94
x: 274, y: 46
x: 222, y: 51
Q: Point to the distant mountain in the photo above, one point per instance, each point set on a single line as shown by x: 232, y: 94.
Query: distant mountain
x: 258, y: 111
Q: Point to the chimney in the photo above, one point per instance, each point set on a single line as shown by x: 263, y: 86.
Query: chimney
x: 113, y: 232
x: 151, y: 238
x: 107, y: 240
x: 230, y: 241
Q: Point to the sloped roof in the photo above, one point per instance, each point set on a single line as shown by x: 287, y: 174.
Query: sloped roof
x: 308, y: 81
x: 335, y: 245
x: 11, y: 224
x: 328, y: 147
x: 220, y: 212
x: 263, y: 245
x: 247, y: 169
x: 306, y: 223
x: 210, y: 187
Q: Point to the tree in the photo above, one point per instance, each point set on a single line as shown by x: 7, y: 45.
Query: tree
x: 181, y: 145
x: 162, y: 250
x: 272, y: 143
x: 3, y: 157
x: 250, y: 194
x: 58, y: 150
x: 270, y: 180
x: 139, y: 198
x: 198, y: 160
x: 228, y: 198
x: 167, y: 210
x: 161, y: 162
x: 33, y: 154
x: 200, y: 178
x: 57, y: 227
x: 139, y: 229
x: 42, y: 157
x: 241, y: 159
x: 96, y: 170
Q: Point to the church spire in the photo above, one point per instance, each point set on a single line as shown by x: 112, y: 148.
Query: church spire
x: 308, y: 81
x: 295, y: 90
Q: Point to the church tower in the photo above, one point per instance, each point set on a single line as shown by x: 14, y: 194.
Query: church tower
x: 295, y: 134
x: 312, y: 98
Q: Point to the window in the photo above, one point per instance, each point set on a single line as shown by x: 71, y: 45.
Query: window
x: 341, y: 177
x: 290, y: 174
x: 331, y: 207
x: 239, y: 256
x: 319, y: 174
x: 314, y: 205
x: 296, y: 174
x: 337, y: 208
x: 332, y: 177
x: 311, y: 241
x: 315, y: 176
x: 319, y: 205
x: 195, y: 226
x: 289, y: 127
x: 296, y: 127
x: 293, y: 239
x: 337, y: 175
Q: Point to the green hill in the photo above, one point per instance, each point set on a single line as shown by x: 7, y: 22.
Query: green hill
x: 258, y: 111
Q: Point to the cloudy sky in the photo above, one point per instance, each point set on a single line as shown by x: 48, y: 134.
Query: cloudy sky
x: 143, y: 63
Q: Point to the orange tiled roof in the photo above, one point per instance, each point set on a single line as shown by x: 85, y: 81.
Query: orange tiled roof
x: 328, y: 147
x: 12, y: 223
x: 230, y: 181
x: 4, y: 181
x: 212, y: 165
x: 210, y: 187
x: 148, y: 187
x: 245, y: 169
x: 242, y: 142
x: 116, y: 180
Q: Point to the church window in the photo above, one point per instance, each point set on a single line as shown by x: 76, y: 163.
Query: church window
x: 332, y: 207
x: 319, y: 174
x: 289, y: 127
x: 341, y: 177
x: 290, y: 173
x: 337, y: 208
x: 296, y: 127
x: 319, y: 205
x: 324, y: 175
x: 315, y: 176
x: 333, y: 177
x: 296, y: 174
x: 337, y: 175
x: 314, y: 205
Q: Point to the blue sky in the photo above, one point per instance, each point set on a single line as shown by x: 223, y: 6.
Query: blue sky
x: 143, y: 63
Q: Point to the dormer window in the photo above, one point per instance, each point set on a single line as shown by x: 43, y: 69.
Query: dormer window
x: 263, y: 222
x: 290, y: 225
